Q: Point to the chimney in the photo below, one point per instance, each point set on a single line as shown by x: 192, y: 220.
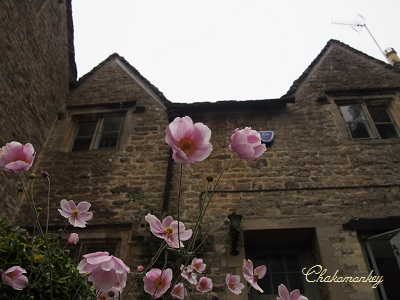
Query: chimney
x: 391, y: 56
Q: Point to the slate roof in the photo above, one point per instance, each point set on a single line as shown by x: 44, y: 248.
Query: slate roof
x: 131, y: 68
x: 292, y: 90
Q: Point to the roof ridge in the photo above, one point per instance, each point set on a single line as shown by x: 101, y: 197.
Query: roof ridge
x: 130, y: 67
x: 308, y: 70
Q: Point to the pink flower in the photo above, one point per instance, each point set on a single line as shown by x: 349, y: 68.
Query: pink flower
x: 77, y: 215
x: 234, y: 284
x: 284, y: 294
x: 14, y: 278
x: 178, y: 291
x: 17, y: 157
x: 188, y: 274
x: 168, y: 230
x: 246, y: 143
x: 189, y: 142
x: 105, y: 271
x: 251, y: 275
x: 205, y: 285
x: 73, y: 238
x: 198, y: 265
x: 157, y: 282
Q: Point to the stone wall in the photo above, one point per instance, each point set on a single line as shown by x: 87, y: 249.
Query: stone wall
x: 313, y: 176
x: 34, y: 77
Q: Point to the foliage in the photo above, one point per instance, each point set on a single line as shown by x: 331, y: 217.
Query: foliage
x: 17, y: 247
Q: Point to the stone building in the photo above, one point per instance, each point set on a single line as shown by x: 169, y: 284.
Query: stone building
x: 322, y: 197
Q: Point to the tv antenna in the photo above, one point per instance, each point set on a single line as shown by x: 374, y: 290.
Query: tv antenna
x: 357, y: 25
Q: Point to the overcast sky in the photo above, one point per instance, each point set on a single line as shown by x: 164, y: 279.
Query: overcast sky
x: 213, y: 50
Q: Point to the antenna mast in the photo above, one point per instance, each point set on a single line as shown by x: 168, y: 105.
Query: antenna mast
x: 357, y: 25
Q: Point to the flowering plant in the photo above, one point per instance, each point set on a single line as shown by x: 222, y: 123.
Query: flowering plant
x: 190, y: 143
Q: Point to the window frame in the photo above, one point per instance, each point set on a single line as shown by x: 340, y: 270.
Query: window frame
x: 300, y: 241
x: 84, y: 247
x: 95, y: 137
x: 366, y: 103
x: 370, y: 256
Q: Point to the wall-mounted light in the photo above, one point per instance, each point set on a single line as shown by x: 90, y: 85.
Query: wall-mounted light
x: 234, y: 231
x: 267, y: 137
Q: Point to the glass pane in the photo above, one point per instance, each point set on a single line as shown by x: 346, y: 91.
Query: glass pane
x: 108, y: 140
x: 379, y: 114
x: 353, y: 113
x: 81, y: 144
x: 360, y: 130
x: 296, y: 282
x: 111, y: 248
x: 292, y: 263
x: 387, y: 131
x: 276, y: 263
x: 111, y: 124
x: 86, y: 129
x: 386, y: 255
x: 277, y: 280
x: 107, y: 136
x: 265, y: 284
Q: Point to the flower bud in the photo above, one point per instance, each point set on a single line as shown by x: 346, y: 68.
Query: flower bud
x: 226, y: 221
x: 20, y: 189
x: 45, y: 174
x: 111, y: 293
x: 59, y: 231
x: 140, y: 268
x: 39, y: 209
x: 209, y: 178
x: 32, y: 176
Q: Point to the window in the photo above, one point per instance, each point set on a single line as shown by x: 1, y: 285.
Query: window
x: 383, y: 258
x: 84, y: 247
x: 369, y: 121
x: 97, y: 133
x: 284, y: 260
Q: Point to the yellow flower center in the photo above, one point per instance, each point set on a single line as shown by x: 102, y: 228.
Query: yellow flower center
x: 20, y: 159
x: 231, y: 284
x: 187, y: 145
x: 10, y: 275
x: 158, y: 282
x: 75, y: 212
x: 169, y: 231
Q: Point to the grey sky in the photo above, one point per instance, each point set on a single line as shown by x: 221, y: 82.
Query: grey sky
x: 213, y: 50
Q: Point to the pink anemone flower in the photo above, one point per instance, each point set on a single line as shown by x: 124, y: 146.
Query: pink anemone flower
x: 157, y: 282
x: 189, y: 142
x: 252, y: 275
x: 105, y: 271
x: 284, y: 294
x: 17, y: 157
x: 204, y: 285
x: 179, y: 292
x: 198, y: 265
x: 233, y: 283
x: 168, y: 230
x: 188, y: 274
x: 14, y: 278
x: 76, y: 214
x: 246, y: 143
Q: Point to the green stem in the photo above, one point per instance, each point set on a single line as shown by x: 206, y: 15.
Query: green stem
x: 48, y: 205
x: 215, y: 186
x: 179, y: 202
x: 36, y: 220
